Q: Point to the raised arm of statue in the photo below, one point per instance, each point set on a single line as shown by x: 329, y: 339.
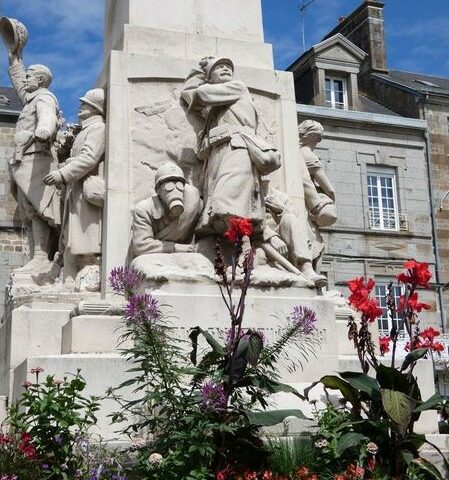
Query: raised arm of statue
x: 217, y: 95
x: 17, y: 73
x: 90, y: 155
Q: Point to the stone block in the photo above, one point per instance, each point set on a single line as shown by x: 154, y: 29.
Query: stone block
x: 100, y: 372
x: 91, y: 334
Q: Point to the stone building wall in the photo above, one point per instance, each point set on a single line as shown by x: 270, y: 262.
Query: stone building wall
x: 349, y: 150
x: 12, y: 239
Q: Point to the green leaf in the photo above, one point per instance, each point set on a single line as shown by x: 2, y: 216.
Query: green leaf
x: 392, y: 379
x: 274, y: 417
x: 430, y: 404
x: 194, y: 334
x: 413, y: 356
x: 399, y: 407
x: 348, y: 440
x: 427, y: 467
x: 362, y: 382
x: 336, y: 383
x: 255, y: 345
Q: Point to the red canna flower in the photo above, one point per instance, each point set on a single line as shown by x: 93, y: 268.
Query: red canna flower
x: 413, y: 303
x: 438, y: 347
x: 267, y: 475
x: 429, y: 334
x: 371, y: 464
x: 371, y: 309
x: 418, y: 274
x: 384, y: 344
x: 338, y: 476
x: 238, y: 228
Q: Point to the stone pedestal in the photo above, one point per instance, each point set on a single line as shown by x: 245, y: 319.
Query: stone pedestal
x: 150, y: 48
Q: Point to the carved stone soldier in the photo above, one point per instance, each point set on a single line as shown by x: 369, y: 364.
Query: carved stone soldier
x: 319, y: 193
x: 81, y: 228
x: 235, y: 156
x: 35, y: 131
x: 165, y: 223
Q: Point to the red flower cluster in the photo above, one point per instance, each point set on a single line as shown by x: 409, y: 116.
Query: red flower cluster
x: 384, y: 345
x: 5, y: 439
x: 238, y: 228
x: 353, y: 472
x: 413, y: 303
x: 26, y: 447
x: 426, y: 340
x: 303, y: 474
x: 418, y: 274
x: 360, y: 300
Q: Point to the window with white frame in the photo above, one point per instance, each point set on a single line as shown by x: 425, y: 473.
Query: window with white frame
x: 382, y: 201
x: 336, y: 93
x: 387, y: 320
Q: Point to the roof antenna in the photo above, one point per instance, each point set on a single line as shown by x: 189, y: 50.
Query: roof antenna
x: 303, y: 4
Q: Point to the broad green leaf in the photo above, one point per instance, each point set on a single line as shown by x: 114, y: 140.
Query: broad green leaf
x: 392, y: 379
x: 413, y: 356
x: 255, y: 345
x: 427, y: 467
x: 336, y: 383
x: 430, y: 404
x: 348, y: 440
x: 194, y: 334
x: 362, y: 382
x: 399, y: 408
x: 273, y: 386
x: 274, y: 417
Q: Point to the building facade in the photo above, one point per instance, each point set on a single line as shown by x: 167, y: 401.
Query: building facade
x: 379, y: 163
x: 412, y: 95
x: 12, y: 239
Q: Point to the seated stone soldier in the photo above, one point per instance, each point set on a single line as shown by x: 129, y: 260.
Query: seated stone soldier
x: 165, y: 223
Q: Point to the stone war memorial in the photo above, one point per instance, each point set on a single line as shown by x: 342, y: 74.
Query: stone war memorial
x: 188, y: 168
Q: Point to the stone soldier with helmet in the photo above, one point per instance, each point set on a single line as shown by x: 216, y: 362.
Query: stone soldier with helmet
x: 81, y: 226
x: 35, y: 132
x: 165, y: 222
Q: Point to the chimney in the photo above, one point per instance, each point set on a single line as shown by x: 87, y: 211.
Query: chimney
x: 365, y: 28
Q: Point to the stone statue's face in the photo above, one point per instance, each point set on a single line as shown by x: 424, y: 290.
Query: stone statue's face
x: 312, y: 139
x: 221, y: 73
x: 171, y: 194
x: 86, y: 111
x: 33, y: 81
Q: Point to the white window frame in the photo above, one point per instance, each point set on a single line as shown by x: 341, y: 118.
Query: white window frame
x: 383, y: 222
x: 332, y: 102
x: 381, y: 300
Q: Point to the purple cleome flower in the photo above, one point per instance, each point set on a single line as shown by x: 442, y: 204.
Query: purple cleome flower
x: 143, y: 308
x: 305, y: 318
x: 125, y: 280
x: 213, y: 396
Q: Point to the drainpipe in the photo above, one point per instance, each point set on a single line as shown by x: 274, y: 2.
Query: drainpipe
x: 435, y: 245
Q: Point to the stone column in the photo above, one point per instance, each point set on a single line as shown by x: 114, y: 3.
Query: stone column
x: 150, y: 47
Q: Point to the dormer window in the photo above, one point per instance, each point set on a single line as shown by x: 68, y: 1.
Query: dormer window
x: 336, y: 93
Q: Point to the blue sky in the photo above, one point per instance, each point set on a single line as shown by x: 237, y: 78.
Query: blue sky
x: 67, y: 36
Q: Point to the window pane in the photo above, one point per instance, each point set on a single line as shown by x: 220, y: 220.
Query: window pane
x: 382, y: 202
x: 387, y: 320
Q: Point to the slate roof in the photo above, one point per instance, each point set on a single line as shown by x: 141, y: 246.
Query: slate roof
x: 370, y: 106
x: 9, y: 101
x: 417, y: 81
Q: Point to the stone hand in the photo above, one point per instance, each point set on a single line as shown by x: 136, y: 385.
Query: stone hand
x: 42, y: 134
x: 181, y: 248
x: 279, y: 245
x: 53, y: 178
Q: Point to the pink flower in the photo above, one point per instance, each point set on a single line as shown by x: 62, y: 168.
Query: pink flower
x: 26, y: 384
x: 37, y: 370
